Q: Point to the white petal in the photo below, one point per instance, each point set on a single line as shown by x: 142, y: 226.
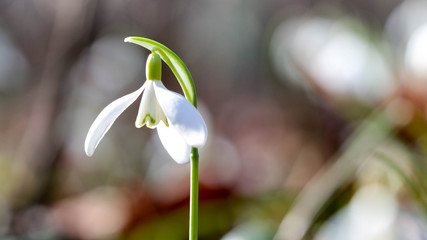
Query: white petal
x: 182, y: 115
x: 149, y: 112
x: 174, y: 143
x: 106, y: 118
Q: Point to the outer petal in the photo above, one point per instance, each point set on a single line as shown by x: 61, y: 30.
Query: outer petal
x: 182, y: 115
x: 106, y: 118
x: 174, y: 143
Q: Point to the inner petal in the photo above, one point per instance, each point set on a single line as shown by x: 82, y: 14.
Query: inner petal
x: 150, y: 113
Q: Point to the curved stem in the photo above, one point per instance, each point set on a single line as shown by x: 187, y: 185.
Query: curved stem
x: 194, y: 194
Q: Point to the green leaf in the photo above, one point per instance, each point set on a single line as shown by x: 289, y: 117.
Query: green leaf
x: 177, y: 66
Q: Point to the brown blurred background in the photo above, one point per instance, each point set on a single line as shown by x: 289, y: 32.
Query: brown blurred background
x: 316, y: 112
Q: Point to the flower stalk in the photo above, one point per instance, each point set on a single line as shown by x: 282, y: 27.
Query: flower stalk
x: 194, y: 194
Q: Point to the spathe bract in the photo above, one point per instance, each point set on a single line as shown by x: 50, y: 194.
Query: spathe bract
x: 174, y: 62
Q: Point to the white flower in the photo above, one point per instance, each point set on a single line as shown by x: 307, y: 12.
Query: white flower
x: 179, y: 124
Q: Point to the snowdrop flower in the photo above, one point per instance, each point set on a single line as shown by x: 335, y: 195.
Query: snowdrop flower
x: 179, y: 124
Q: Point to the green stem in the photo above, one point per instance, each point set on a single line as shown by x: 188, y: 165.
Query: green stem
x: 194, y: 193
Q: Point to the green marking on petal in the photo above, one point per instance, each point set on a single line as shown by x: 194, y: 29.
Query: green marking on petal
x: 152, y: 123
x: 144, y: 120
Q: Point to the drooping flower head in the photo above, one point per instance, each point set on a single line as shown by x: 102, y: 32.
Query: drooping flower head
x: 179, y: 124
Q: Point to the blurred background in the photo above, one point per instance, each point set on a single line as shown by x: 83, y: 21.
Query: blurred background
x: 316, y: 111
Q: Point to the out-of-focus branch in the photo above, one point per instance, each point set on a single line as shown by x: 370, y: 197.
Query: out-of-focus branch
x: 42, y: 141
